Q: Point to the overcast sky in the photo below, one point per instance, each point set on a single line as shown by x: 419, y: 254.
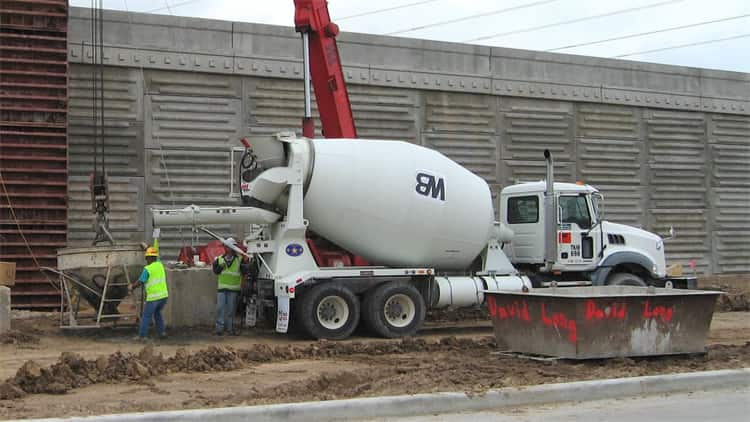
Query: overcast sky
x: 527, y: 24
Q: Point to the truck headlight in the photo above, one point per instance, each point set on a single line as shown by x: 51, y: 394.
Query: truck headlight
x: 659, y: 244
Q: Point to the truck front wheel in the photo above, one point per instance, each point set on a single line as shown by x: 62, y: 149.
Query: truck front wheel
x: 625, y: 279
x: 394, y: 309
x: 328, y: 311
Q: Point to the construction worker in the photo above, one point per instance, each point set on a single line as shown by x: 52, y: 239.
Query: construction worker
x: 230, y: 268
x: 154, y: 280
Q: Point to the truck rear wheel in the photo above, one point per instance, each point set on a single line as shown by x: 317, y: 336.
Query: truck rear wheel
x: 328, y: 311
x: 394, y: 309
x: 625, y: 279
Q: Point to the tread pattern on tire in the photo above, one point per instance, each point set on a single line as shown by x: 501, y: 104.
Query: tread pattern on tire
x: 306, y: 317
x: 625, y: 279
x: 372, y: 309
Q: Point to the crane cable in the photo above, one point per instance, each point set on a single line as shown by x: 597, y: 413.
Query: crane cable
x: 97, y: 85
x: 101, y: 83
x: 94, y: 113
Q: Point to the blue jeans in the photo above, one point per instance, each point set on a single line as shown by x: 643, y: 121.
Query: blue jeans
x: 226, y: 307
x: 153, y: 309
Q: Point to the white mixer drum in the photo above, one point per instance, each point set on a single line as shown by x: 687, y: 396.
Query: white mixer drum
x: 397, y: 204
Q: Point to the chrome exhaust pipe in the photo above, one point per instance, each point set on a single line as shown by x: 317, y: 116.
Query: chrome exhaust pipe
x: 550, y: 212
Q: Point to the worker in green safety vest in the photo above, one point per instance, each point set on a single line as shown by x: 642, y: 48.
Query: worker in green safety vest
x: 231, y: 270
x: 154, y: 280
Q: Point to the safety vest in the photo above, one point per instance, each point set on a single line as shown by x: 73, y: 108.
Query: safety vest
x: 156, y: 285
x: 230, y: 278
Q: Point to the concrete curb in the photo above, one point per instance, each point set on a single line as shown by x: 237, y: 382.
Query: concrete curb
x: 426, y: 404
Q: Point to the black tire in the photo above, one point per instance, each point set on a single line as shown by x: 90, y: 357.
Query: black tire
x: 625, y: 279
x: 328, y: 311
x: 393, y: 309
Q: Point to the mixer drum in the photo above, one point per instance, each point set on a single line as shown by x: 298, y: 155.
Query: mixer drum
x: 397, y: 204
x: 90, y: 265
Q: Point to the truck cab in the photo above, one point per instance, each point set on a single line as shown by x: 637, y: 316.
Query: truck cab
x: 584, y: 246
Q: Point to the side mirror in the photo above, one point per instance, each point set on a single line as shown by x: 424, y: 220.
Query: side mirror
x: 671, y: 233
x: 598, y: 205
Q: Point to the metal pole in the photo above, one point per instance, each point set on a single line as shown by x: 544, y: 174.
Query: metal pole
x: 104, y: 297
x: 308, y: 127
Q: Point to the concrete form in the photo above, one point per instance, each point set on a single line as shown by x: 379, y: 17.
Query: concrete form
x: 4, y: 309
x: 668, y: 145
x: 192, y: 298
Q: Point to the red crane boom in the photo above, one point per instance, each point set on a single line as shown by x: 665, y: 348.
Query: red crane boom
x: 322, y: 62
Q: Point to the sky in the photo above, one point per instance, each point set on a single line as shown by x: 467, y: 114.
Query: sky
x: 711, y: 34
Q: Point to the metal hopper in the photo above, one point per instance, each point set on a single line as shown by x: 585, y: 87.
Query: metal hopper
x: 100, y: 275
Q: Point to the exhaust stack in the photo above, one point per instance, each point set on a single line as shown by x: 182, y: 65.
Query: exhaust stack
x: 550, y: 212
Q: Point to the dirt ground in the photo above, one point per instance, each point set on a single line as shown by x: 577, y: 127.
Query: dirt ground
x: 54, y: 373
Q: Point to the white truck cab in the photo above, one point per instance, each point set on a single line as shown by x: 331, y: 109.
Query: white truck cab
x: 559, y: 234
x: 584, y: 242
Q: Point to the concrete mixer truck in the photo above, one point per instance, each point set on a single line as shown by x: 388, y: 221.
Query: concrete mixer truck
x: 425, y: 223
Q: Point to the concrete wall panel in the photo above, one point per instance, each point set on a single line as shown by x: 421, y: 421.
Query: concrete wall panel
x: 155, y: 32
x: 528, y: 128
x: 191, y: 176
x: 729, y: 142
x: 274, y: 105
x: 463, y: 127
x: 614, y: 167
x: 123, y: 127
x: 678, y: 183
x: 385, y: 113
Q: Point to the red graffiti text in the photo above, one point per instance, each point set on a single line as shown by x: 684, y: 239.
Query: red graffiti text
x: 613, y: 311
x: 517, y: 310
x: 659, y: 311
x: 560, y: 321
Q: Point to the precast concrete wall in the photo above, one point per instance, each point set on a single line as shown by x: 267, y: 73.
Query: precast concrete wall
x: 667, y: 145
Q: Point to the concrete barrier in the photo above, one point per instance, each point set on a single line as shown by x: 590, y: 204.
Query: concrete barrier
x: 192, y: 297
x: 4, y: 309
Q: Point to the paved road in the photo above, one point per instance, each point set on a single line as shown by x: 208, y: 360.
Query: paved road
x: 706, y: 406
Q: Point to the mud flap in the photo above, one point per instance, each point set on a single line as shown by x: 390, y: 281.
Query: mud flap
x: 282, y: 314
x: 251, y: 312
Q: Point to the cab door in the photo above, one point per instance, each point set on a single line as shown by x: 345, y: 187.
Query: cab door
x: 575, y: 243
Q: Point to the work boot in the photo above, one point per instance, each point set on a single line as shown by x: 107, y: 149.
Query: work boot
x: 235, y: 332
x: 218, y: 333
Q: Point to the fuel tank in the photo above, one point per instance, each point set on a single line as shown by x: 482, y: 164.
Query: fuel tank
x: 396, y: 203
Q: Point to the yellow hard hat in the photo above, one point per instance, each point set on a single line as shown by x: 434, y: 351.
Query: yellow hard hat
x: 151, y: 251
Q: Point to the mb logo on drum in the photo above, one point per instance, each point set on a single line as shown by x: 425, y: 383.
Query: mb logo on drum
x: 430, y: 186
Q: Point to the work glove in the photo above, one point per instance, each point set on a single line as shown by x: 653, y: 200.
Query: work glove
x: 156, y: 233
